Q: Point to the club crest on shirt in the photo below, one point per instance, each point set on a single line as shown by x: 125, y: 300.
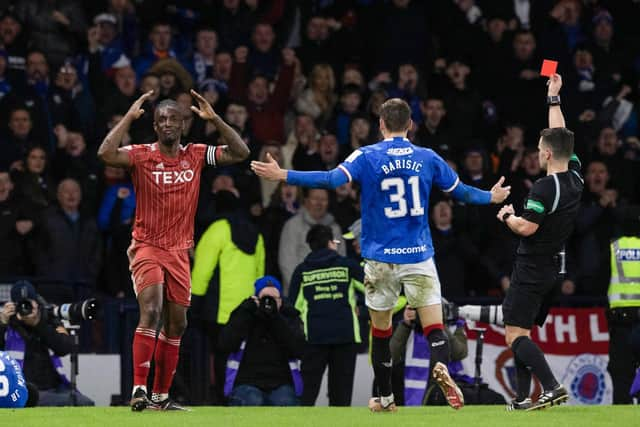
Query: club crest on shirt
x: 184, y: 164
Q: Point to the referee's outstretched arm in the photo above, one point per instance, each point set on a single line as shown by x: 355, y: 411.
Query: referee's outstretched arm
x: 556, y: 119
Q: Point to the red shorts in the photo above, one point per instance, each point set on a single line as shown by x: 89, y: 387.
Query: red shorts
x: 150, y: 265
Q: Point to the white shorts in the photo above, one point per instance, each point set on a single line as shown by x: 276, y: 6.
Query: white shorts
x: 383, y: 282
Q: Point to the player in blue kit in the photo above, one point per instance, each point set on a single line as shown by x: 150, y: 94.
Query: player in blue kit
x: 13, y: 387
x: 396, y: 179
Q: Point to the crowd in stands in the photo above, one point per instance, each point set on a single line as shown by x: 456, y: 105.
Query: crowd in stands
x: 303, y: 81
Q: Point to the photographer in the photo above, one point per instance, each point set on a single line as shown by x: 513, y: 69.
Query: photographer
x: 410, y: 352
x: 265, y: 341
x: 28, y: 333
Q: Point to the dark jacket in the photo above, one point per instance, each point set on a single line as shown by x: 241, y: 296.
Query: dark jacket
x: 271, y: 342
x: 38, y: 367
x: 68, y: 250
x: 14, y: 259
x: 323, y: 288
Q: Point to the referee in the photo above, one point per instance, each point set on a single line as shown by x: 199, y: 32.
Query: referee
x: 546, y: 223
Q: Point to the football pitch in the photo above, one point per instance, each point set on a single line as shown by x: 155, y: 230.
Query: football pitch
x: 582, y: 416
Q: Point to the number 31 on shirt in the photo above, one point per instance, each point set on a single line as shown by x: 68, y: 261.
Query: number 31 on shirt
x: 397, y: 189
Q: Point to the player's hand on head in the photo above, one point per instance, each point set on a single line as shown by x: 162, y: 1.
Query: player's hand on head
x: 136, y: 111
x: 555, y: 83
x: 204, y: 109
x: 269, y: 169
x: 500, y: 193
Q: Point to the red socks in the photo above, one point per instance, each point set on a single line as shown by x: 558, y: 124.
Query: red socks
x: 166, y: 360
x: 144, y: 341
x: 428, y: 329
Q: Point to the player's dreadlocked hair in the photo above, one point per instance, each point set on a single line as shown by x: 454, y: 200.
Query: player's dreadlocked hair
x: 395, y: 114
x: 560, y: 141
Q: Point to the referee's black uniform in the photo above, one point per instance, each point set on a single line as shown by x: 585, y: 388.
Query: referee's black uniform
x: 553, y: 204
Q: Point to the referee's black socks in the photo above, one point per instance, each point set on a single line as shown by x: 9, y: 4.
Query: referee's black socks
x: 523, y: 379
x: 528, y: 353
x: 381, y: 359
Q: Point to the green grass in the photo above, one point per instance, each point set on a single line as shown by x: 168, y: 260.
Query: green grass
x: 569, y: 416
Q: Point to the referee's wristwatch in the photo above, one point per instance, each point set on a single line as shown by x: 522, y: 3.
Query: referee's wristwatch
x: 553, y: 100
x: 505, y: 216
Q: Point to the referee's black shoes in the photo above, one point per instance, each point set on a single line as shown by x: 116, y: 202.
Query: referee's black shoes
x: 522, y: 405
x: 554, y: 397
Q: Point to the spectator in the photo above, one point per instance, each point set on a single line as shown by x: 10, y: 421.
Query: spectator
x: 594, y: 228
x: 75, y: 160
x: 302, y: 145
x: 46, y: 106
x: 319, y: 99
x: 159, y: 47
x: 456, y: 254
x: 17, y: 227
x: 105, y: 42
x: 293, y: 247
x: 346, y: 205
x: 115, y: 220
x: 409, y: 87
x: 405, y: 36
x: 323, y: 289
x: 607, y: 150
x: 68, y: 86
x: 14, y: 147
x: 350, y: 100
x: 54, y: 27
x: 462, y: 102
x: 37, y: 341
x: 202, y: 63
x: 265, y: 110
x: 222, y: 67
x: 14, y: 43
x: 285, y: 202
x: 69, y: 245
x: 265, y: 339
x: 5, y: 85
x: 359, y: 134
x: 522, y: 77
x: 263, y: 55
x: 123, y: 94
x: 267, y: 188
x: 34, y: 182
x: 432, y: 131
x: 234, y: 24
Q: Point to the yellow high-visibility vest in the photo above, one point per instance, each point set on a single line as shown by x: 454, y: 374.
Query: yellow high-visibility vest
x: 624, y: 287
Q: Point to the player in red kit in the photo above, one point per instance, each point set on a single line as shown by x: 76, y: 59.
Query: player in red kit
x: 166, y: 178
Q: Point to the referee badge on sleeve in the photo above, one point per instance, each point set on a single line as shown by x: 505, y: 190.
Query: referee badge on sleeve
x: 534, y: 206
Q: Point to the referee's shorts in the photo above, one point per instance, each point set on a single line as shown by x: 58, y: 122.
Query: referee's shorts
x: 534, y: 281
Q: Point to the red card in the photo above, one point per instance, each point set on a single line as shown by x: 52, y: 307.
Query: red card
x: 548, y: 68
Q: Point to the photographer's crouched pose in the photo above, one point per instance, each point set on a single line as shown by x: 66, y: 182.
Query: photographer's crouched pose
x: 265, y: 341
x: 36, y: 340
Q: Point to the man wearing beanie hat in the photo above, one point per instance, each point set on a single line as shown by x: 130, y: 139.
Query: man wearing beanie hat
x: 264, y: 340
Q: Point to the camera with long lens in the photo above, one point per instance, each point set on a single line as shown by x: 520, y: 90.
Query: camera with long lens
x: 268, y: 304
x: 74, y: 312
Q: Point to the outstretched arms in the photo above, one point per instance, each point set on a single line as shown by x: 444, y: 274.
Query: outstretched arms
x: 317, y: 179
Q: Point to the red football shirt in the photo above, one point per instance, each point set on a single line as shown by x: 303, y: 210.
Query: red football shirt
x: 167, y: 193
